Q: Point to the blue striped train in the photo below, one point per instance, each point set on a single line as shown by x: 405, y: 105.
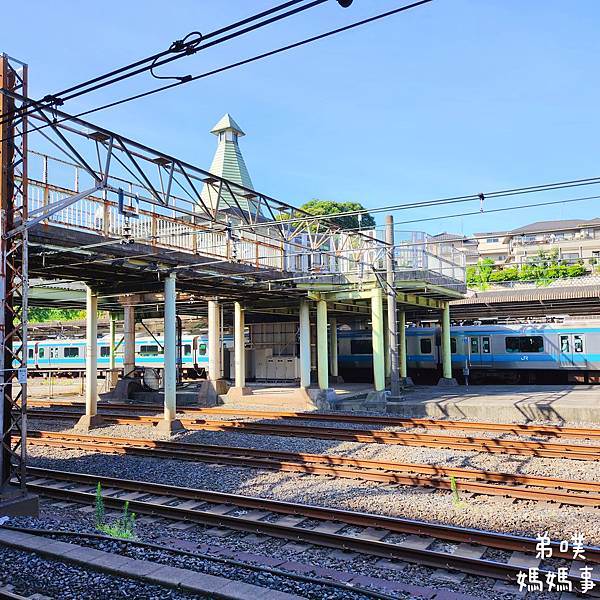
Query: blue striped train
x: 526, y: 353
x: 65, y: 355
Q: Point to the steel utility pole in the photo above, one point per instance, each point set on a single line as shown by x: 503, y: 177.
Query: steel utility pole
x: 392, y: 306
x: 13, y: 283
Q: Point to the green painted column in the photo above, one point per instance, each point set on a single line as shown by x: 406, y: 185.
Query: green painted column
x: 386, y: 347
x: 214, y: 340
x: 304, y: 344
x: 333, y: 348
x: 446, y: 354
x: 170, y: 350
x: 322, y: 354
x: 91, y: 349
x: 402, y: 348
x: 239, y: 346
x: 112, y: 331
x: 378, y: 334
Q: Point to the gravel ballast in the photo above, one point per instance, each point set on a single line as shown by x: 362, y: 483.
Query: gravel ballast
x: 30, y: 574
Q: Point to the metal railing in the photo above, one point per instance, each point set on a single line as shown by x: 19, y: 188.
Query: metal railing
x: 180, y: 226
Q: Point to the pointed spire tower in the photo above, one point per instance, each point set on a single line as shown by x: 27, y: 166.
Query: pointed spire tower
x: 228, y: 163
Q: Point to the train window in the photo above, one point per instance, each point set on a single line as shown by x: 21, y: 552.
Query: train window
x: 565, y: 344
x: 187, y: 350
x: 30, y: 352
x: 528, y: 343
x: 578, y: 344
x: 41, y: 352
x: 71, y: 352
x: 425, y: 346
x: 104, y: 351
x: 474, y: 345
x: 485, y: 345
x: 201, y: 349
x: 361, y: 347
x: 149, y: 350
x: 453, y: 345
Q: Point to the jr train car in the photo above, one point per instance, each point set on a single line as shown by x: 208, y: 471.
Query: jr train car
x: 528, y: 353
x: 68, y: 355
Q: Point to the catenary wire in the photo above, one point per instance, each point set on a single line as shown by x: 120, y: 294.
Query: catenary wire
x: 182, y: 48
x: 233, y: 65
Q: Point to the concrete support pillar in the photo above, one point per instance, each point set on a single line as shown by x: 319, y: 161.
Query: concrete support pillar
x: 322, y: 355
x: 333, y: 349
x: 214, y: 340
x: 304, y: 344
x: 112, y: 334
x: 91, y: 418
x: 129, y: 339
x: 239, y: 343
x: 169, y: 422
x: 447, y: 378
x: 240, y: 346
x: 402, y: 345
x: 378, y: 333
x: 386, y: 346
x: 170, y: 349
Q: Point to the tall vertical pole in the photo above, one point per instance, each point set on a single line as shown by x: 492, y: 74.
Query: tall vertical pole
x: 240, y: 346
x: 402, y: 345
x: 322, y: 357
x: 214, y: 341
x: 112, y: 335
x: 304, y: 344
x: 333, y: 348
x: 391, y: 307
x: 14, y: 282
x: 129, y: 339
x: 446, y: 349
x: 91, y: 352
x: 378, y: 352
x: 170, y: 346
x: 90, y: 419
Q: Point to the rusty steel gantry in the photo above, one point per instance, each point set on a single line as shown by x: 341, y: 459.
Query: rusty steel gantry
x: 13, y: 282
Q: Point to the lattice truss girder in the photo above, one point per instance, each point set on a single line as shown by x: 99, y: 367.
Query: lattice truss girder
x: 13, y: 276
x: 132, y: 190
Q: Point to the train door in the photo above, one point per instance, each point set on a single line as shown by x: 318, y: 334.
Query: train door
x: 480, y: 351
x: 572, y: 349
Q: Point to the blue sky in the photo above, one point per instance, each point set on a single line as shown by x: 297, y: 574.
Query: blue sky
x: 454, y: 97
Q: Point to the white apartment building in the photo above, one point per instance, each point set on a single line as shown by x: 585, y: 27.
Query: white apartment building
x: 573, y: 238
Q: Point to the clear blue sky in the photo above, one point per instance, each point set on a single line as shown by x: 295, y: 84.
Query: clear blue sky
x: 454, y: 97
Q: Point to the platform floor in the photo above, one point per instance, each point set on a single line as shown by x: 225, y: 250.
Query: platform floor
x: 504, y: 403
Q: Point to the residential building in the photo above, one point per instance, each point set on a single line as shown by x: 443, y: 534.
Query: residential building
x: 574, y: 239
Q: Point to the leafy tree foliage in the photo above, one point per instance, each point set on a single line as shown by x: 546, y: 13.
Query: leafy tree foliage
x: 545, y: 267
x: 41, y: 315
x: 333, y: 209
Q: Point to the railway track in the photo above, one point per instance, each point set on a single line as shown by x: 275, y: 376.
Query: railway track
x: 506, y: 428
x: 541, y: 449
x: 522, y: 487
x: 393, y: 538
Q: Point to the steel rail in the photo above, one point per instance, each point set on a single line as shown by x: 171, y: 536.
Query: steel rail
x: 523, y: 487
x: 158, y: 499
x: 509, y: 428
x: 469, y: 444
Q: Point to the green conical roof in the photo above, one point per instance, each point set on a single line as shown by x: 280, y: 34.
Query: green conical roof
x: 227, y: 122
x: 228, y: 163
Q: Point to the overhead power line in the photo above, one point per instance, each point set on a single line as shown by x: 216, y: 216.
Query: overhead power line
x: 239, y: 63
x: 192, y: 43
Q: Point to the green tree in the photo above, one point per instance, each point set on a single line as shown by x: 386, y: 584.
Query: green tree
x: 41, y: 315
x: 478, y: 275
x: 336, y: 210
